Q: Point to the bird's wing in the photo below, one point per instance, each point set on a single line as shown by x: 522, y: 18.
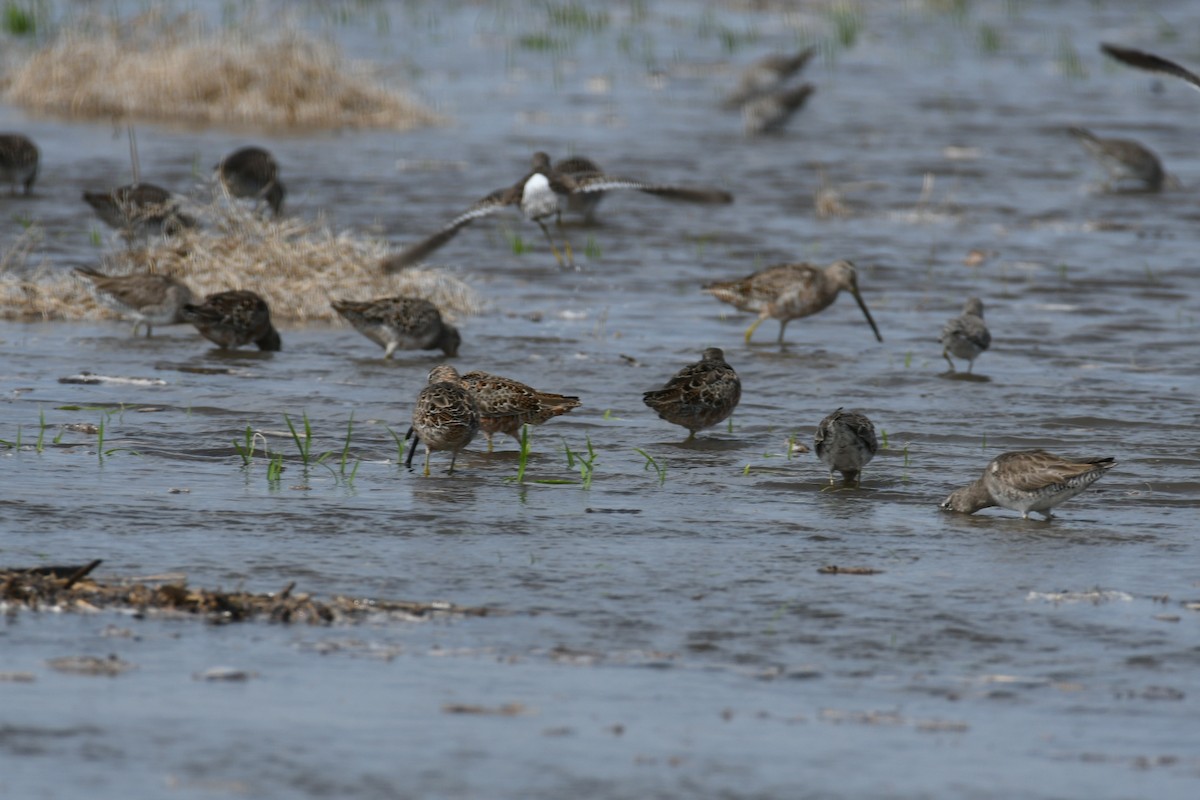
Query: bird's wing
x: 1150, y: 63
x: 599, y: 182
x: 495, y: 202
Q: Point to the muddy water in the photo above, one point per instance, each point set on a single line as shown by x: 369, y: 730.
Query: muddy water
x: 664, y: 638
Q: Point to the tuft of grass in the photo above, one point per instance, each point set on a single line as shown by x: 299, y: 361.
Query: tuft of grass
x: 586, y: 466
x: 291, y: 262
x: 990, y: 40
x: 541, y: 42
x: 19, y: 19
x: 883, y: 435
x: 245, y: 448
x: 592, y: 248
x: 304, y: 443
x: 274, y: 467
x: 163, y: 68
x: 651, y: 463
x: 1067, y: 58
x: 522, y: 455
x: 399, y: 440
x: 847, y: 20
x: 576, y: 17
x: 517, y: 243
x: 346, y: 451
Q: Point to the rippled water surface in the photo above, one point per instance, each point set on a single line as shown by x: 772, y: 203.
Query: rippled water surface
x: 655, y: 636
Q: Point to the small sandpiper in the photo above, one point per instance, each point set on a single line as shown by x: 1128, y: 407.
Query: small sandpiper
x: 140, y: 210
x: 700, y: 395
x: 1028, y: 480
x: 18, y: 161
x: 845, y: 442
x: 966, y: 336
x: 401, y: 323
x: 789, y: 291
x: 232, y: 319
x: 1151, y: 63
x: 540, y: 195
x: 446, y: 416
x: 772, y: 112
x: 767, y: 75
x: 1129, y: 164
x: 252, y: 173
x: 506, y: 405
x: 149, y: 298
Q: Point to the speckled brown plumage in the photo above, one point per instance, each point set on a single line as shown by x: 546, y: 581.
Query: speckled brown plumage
x: 446, y: 416
x: 1028, y: 480
x: 700, y: 395
x: 789, y: 291
x: 252, y: 173
x: 505, y: 405
x: 232, y: 319
x: 139, y: 210
x: 19, y: 159
x: 1124, y: 160
x: 845, y: 442
x: 401, y: 323
x: 148, y: 298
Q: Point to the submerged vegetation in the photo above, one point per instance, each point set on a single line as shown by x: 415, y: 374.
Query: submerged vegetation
x: 173, y: 69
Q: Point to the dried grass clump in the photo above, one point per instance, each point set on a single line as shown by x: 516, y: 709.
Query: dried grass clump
x: 175, y: 71
x: 71, y: 589
x: 297, y: 266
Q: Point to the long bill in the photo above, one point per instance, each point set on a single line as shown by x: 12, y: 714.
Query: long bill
x: 866, y: 313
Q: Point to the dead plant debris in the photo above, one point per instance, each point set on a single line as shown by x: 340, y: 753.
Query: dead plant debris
x: 70, y: 588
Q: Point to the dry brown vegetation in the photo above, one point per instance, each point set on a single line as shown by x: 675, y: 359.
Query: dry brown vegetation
x: 154, y: 69
x: 296, y: 265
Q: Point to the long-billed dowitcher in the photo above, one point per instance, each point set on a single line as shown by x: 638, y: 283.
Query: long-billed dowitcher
x: 845, y: 442
x: 767, y: 75
x: 700, y: 395
x: 1124, y: 160
x: 505, y: 405
x: 401, y: 323
x: 150, y: 299
x: 139, y: 210
x: 446, y: 416
x: 966, y: 336
x: 1028, y: 480
x: 1151, y: 63
x: 540, y: 195
x: 252, y: 173
x: 790, y: 291
x: 18, y: 161
x: 232, y: 319
x: 771, y: 112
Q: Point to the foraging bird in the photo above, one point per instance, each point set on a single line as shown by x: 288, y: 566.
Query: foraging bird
x: 966, y: 336
x: 1028, y: 480
x: 150, y: 299
x: 845, y: 441
x: 232, y: 319
x: 771, y: 112
x: 446, y: 416
x: 139, y: 210
x: 541, y: 195
x: 700, y: 395
x: 395, y: 323
x: 1123, y: 159
x: 767, y: 75
x: 18, y: 161
x: 506, y: 405
x: 252, y: 173
x: 790, y: 291
x: 1151, y: 63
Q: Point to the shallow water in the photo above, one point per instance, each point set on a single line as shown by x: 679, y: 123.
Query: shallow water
x: 673, y: 638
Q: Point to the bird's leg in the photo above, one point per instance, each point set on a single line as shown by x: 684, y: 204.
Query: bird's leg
x: 489, y: 438
x: 782, y: 327
x: 970, y: 366
x: 428, y: 450
x: 553, y: 248
x: 453, y: 458
x: 946, y: 355
x: 753, y: 327
x: 691, y: 435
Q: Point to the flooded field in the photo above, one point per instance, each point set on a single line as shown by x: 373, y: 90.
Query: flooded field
x: 659, y: 622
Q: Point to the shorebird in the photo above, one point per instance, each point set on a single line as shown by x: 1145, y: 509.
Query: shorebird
x: 505, y: 405
x: 582, y: 203
x: 1123, y: 160
x: 771, y: 112
x: 966, y: 336
x: 700, y: 395
x: 150, y: 299
x: 139, y: 210
x: 401, y: 323
x: 766, y: 75
x: 1151, y: 63
x: 18, y: 161
x: 446, y: 416
x: 845, y: 441
x: 790, y: 291
x: 540, y: 195
x: 252, y: 173
x: 1028, y: 480
x: 232, y: 319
